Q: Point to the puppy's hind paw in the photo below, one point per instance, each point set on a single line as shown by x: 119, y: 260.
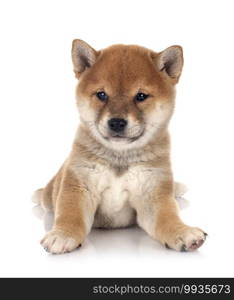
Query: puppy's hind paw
x: 37, y: 196
x: 180, y: 189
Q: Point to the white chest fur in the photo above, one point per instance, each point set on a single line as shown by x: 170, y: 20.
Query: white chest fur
x: 116, y: 194
x: 114, y: 190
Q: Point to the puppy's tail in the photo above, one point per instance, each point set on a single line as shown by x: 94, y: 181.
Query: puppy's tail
x: 180, y: 189
x: 37, y: 196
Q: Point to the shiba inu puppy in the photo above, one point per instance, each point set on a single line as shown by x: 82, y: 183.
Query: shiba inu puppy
x: 119, y: 172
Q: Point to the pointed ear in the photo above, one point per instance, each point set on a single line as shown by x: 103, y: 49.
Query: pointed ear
x: 83, y: 56
x: 171, y: 61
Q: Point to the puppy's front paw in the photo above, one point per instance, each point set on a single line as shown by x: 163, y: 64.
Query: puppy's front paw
x: 58, y: 242
x: 186, y: 239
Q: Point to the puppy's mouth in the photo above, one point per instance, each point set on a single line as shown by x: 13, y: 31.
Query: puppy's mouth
x: 114, y: 137
x: 117, y: 138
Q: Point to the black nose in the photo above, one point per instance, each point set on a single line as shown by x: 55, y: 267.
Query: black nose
x: 117, y: 125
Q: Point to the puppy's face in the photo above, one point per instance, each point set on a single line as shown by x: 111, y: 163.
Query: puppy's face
x: 125, y: 93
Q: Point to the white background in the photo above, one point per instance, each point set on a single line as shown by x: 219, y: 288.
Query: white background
x: 38, y: 118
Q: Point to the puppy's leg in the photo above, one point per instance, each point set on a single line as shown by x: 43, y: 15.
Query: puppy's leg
x: 46, y: 197
x: 73, y: 216
x: 159, y: 217
x: 46, y: 200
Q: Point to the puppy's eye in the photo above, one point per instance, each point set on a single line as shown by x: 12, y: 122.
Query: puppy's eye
x: 141, y: 97
x: 102, y: 96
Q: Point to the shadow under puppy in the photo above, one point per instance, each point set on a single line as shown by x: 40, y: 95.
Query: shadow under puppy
x: 119, y: 172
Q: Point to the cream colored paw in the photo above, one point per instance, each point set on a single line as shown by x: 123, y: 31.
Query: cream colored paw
x: 37, y: 196
x: 57, y: 242
x: 186, y: 239
x: 180, y: 189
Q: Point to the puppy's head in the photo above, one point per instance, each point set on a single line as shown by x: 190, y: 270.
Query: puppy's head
x: 125, y: 93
